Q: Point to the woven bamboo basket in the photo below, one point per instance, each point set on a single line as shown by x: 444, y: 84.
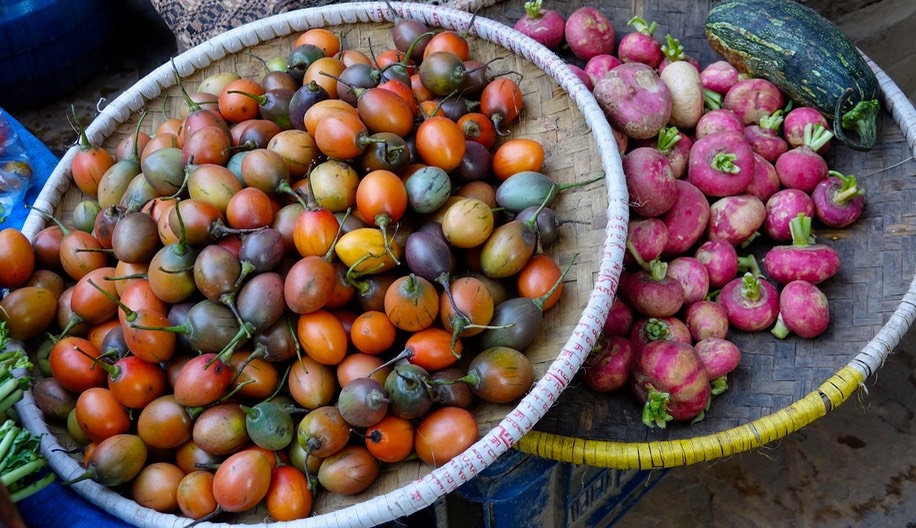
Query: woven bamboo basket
x: 780, y: 386
x: 560, y: 113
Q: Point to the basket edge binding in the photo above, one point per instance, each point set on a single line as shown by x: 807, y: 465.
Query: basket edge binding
x: 425, y: 490
x: 833, y: 392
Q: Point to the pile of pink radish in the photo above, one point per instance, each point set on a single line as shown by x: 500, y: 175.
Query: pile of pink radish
x: 712, y: 161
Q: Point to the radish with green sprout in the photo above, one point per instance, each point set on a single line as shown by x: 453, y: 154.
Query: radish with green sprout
x: 735, y: 219
x: 720, y: 120
x: 765, y: 138
x: 650, y: 181
x: 721, y: 261
x: 588, y: 33
x: 646, y: 239
x: 719, y: 76
x: 765, y: 182
x: 619, y: 318
x: 803, y: 310
x: 543, y: 25
x: 782, y: 207
x: 669, y: 379
x: 720, y: 357
x: 803, y: 259
x: 686, y: 220
x: 652, y: 292
x: 598, y: 66
x: 607, y: 367
x: 706, y: 319
x: 634, y: 99
x: 640, y: 45
x: 675, y: 145
x: 838, y: 201
x: 802, y: 167
x: 751, y: 303
x: 752, y: 99
x: 721, y: 164
x: 692, y: 275
x: 649, y: 329
x: 793, y: 126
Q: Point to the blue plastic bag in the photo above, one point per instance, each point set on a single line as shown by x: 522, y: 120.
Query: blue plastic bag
x: 15, y: 169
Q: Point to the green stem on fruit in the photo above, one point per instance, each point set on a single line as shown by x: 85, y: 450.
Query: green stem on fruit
x: 800, y: 227
x: 848, y: 190
x: 725, y: 162
x: 636, y: 256
x: 862, y: 118
x: 542, y: 300
x: 750, y: 287
x: 667, y: 139
x: 658, y: 269
x: 673, y: 49
x: 718, y: 385
x: 780, y: 329
x: 533, y: 9
x: 711, y: 100
x: 772, y: 121
x: 655, y: 411
x: 641, y: 26
x: 816, y: 136
x: 656, y: 329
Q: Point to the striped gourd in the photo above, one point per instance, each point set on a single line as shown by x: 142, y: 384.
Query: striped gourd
x: 804, y: 54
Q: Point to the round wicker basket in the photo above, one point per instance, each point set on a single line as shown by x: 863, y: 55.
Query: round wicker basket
x: 560, y: 113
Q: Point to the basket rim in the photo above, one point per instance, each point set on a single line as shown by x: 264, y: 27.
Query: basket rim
x: 828, y: 396
x: 425, y: 490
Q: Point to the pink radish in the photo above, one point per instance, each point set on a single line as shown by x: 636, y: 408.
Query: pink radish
x: 838, y: 202
x: 706, y: 319
x: 543, y: 25
x: 735, y: 219
x: 634, y: 99
x: 803, y: 310
x: 721, y: 164
x: 721, y: 261
x: 765, y: 182
x: 782, y: 207
x: 765, y: 139
x: 646, y: 239
x: 719, y: 77
x: 686, y: 220
x: 588, y: 33
x: 752, y: 303
x: 676, y: 146
x: 803, y: 259
x: 669, y: 379
x: 802, y: 167
x: 653, y: 293
x: 640, y: 46
x: 583, y: 76
x: 720, y: 357
x: 598, y: 66
x: 607, y: 367
x: 720, y: 120
x: 793, y: 126
x: 649, y: 181
x: 752, y: 99
x: 646, y: 330
x: 692, y: 275
x: 619, y: 319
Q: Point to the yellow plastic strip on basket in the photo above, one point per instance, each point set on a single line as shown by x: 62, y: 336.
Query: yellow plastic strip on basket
x: 670, y: 453
x: 833, y: 392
